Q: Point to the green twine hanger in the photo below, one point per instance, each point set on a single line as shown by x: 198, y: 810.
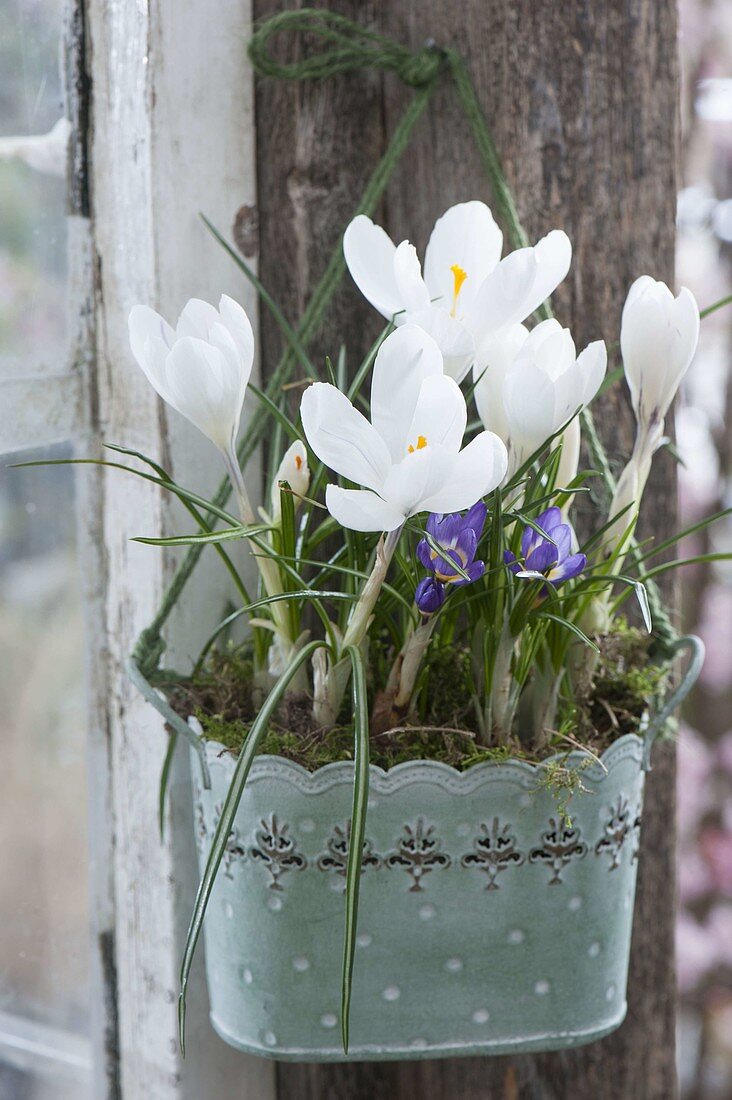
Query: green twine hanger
x: 347, y: 47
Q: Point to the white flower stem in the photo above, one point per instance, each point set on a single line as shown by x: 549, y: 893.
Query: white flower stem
x: 334, y: 681
x: 408, y: 663
x: 358, y: 624
x: 267, y: 569
x: 501, y: 717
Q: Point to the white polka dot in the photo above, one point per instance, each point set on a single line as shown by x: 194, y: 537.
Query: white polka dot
x: 525, y: 800
x: 336, y: 884
x: 481, y: 1016
x: 391, y: 993
x: 463, y: 830
x: 541, y: 988
x: 274, y: 903
x: 575, y: 904
x: 270, y: 1038
x: 454, y: 965
x: 418, y: 1044
x: 610, y: 993
x: 363, y: 939
x: 593, y: 950
x: 301, y: 964
x: 427, y: 912
x: 373, y: 803
x: 229, y: 910
x: 516, y: 936
x: 329, y: 1019
x: 307, y: 825
x: 246, y: 976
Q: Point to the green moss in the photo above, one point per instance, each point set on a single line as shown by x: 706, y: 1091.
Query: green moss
x: 446, y: 686
x: 625, y: 683
x: 563, y: 782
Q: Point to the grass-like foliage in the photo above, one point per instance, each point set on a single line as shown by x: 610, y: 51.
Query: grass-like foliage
x: 421, y: 587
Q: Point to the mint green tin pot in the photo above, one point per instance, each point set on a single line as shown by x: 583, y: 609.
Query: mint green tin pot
x: 487, y: 923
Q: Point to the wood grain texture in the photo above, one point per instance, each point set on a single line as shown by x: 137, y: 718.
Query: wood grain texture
x: 582, y: 101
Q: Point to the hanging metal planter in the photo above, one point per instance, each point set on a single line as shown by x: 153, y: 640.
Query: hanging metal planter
x: 490, y: 920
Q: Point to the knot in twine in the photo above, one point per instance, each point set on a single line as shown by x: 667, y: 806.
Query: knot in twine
x: 345, y: 47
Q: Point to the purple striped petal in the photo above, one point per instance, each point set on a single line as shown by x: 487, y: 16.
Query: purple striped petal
x: 562, y: 536
x: 476, y: 518
x: 570, y: 567
x: 510, y: 560
x: 549, y: 519
x: 542, y: 558
x: 475, y: 571
x: 424, y: 554
x: 433, y: 521
x: 467, y: 544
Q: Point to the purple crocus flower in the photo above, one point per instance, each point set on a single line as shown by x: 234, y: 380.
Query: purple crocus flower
x: 457, y: 536
x: 547, y: 556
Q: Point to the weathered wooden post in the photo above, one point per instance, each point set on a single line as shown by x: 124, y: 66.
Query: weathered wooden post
x: 582, y: 102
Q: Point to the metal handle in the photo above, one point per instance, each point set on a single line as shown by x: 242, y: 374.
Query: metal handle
x: 163, y: 707
x: 695, y: 646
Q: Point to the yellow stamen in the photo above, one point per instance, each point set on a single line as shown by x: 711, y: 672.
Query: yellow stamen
x: 421, y: 442
x: 298, y: 462
x: 459, y: 275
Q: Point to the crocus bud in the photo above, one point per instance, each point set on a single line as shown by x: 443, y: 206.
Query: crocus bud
x: 202, y: 366
x: 658, y: 338
x: 295, y: 471
x: 429, y: 595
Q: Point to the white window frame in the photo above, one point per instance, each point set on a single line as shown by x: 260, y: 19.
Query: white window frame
x: 162, y: 103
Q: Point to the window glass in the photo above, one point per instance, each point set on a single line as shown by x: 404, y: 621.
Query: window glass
x: 44, y: 941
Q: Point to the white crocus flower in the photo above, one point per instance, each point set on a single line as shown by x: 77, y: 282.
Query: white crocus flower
x: 202, y: 366
x: 295, y: 471
x: 408, y: 457
x: 526, y: 399
x: 658, y: 338
x: 467, y: 292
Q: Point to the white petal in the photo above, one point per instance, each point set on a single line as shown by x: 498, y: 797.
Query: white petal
x: 369, y: 254
x: 196, y: 318
x: 361, y: 510
x: 569, y: 460
x: 440, y: 415
x: 685, y: 321
x: 592, y: 365
x: 203, y: 389
x: 417, y: 476
x: 238, y: 324
x: 151, y: 338
x: 553, y: 255
x: 550, y: 347
x: 528, y: 398
x: 468, y: 236
x: 495, y: 355
x: 408, y: 276
x: 403, y: 361
x: 342, y: 437
x: 501, y: 299
x: 451, y: 336
x: 477, y: 470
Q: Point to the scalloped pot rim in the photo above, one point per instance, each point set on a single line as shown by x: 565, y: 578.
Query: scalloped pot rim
x: 630, y: 745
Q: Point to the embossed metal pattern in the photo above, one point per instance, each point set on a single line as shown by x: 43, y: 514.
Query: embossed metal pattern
x: 487, y: 923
